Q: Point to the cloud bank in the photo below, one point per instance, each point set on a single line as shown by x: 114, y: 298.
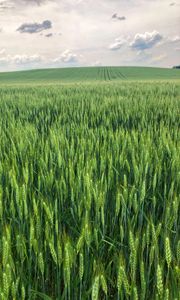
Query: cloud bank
x: 20, y: 59
x: 111, y: 32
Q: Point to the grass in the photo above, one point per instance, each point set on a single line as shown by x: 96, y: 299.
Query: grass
x: 90, y: 74
x: 89, y: 189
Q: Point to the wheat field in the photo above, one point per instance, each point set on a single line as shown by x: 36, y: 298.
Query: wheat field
x: 89, y: 191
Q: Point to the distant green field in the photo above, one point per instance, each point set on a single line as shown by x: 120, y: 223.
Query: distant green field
x: 90, y: 74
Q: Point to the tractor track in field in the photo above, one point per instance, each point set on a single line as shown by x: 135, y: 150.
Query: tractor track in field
x: 122, y: 75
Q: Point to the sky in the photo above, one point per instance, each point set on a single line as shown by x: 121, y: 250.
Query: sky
x: 65, y: 33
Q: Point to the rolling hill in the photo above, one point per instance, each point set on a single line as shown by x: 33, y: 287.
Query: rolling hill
x: 90, y: 74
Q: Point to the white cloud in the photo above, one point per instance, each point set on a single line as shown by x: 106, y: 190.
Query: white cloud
x: 119, y: 42
x: 20, y: 59
x: 146, y: 40
x: 67, y: 57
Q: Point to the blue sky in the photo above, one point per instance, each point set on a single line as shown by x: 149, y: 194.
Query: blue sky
x: 62, y: 33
